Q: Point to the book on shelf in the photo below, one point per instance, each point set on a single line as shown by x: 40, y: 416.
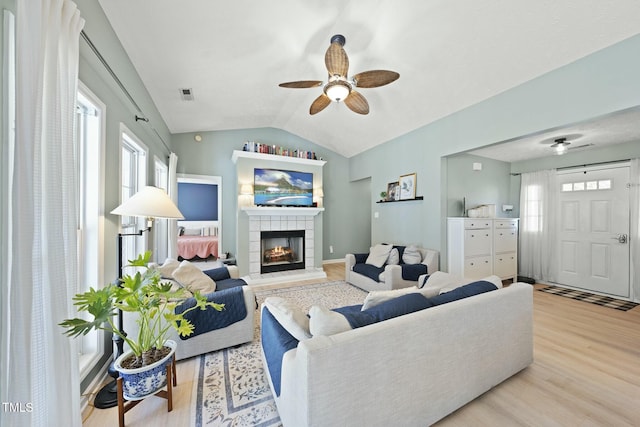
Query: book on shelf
x: 257, y: 147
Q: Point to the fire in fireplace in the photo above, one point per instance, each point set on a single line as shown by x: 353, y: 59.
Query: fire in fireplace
x: 281, y: 250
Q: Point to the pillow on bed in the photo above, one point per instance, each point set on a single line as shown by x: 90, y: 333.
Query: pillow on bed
x: 323, y: 321
x: 290, y: 317
x: 192, y: 232
x: 192, y: 278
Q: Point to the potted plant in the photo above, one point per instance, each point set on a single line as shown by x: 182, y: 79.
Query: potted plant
x: 154, y: 301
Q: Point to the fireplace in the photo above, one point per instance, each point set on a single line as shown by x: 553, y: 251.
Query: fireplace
x: 282, y: 250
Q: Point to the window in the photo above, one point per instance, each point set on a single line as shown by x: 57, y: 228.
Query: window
x: 133, y: 162
x: 532, y: 220
x: 90, y: 167
x: 604, y: 184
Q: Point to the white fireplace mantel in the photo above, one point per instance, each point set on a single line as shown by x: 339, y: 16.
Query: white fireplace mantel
x: 282, y: 211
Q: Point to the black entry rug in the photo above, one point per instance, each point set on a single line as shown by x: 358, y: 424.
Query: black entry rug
x: 618, y: 304
x: 230, y: 385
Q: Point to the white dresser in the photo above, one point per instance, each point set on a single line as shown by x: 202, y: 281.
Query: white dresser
x: 480, y: 247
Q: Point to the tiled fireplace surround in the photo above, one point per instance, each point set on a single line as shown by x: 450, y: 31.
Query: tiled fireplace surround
x: 284, y: 221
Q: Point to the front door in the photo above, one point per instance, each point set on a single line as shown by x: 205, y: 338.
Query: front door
x: 593, y: 230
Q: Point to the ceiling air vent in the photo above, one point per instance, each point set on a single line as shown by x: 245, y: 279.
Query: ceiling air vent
x: 186, y: 94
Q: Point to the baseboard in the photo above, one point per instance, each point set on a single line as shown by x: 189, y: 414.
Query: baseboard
x: 332, y: 261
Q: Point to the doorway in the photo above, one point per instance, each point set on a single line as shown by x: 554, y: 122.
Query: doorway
x: 593, y: 229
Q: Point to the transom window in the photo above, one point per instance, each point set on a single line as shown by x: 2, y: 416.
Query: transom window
x: 604, y: 184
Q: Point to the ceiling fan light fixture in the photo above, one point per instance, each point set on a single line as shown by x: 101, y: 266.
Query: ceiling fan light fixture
x: 561, y: 145
x: 337, y: 90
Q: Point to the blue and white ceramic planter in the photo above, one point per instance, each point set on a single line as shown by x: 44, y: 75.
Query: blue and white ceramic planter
x: 141, y: 382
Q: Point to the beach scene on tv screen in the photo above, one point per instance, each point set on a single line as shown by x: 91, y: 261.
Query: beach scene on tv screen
x: 274, y: 187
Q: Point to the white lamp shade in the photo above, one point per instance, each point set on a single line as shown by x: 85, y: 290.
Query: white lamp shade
x: 150, y: 202
x: 318, y: 192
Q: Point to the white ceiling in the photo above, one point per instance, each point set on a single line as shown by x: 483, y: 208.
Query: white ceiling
x: 450, y: 55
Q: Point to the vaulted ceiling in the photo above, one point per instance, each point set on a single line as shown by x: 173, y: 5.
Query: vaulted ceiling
x: 450, y: 55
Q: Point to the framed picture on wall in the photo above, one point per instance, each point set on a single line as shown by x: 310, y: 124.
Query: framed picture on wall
x: 392, y: 190
x: 407, y: 184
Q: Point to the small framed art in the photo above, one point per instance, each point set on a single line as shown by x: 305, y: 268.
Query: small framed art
x: 392, y: 191
x: 407, y: 184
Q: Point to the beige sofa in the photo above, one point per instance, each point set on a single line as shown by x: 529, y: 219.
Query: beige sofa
x: 410, y: 370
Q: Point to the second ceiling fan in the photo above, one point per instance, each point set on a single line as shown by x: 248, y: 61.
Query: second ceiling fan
x: 339, y: 88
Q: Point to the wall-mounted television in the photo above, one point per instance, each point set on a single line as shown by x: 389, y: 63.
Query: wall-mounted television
x: 277, y: 187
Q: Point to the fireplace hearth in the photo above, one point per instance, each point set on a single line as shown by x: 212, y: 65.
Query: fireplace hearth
x: 282, y: 250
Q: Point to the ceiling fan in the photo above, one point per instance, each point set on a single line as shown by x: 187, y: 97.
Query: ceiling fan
x: 338, y: 86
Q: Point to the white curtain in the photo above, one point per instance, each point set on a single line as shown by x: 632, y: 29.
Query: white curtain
x: 538, y: 196
x: 634, y: 236
x: 173, y: 193
x: 42, y: 365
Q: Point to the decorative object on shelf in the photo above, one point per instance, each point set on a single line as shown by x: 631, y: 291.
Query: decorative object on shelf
x: 392, y: 191
x: 383, y: 195
x: 339, y: 88
x: 276, y: 150
x: 398, y: 200
x: 407, y: 185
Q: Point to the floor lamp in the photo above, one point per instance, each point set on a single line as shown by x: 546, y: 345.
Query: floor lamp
x: 150, y: 203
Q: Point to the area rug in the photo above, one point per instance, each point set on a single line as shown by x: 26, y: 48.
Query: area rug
x: 604, y: 301
x: 231, y: 388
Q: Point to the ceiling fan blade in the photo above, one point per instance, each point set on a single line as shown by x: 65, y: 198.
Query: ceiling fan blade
x: 336, y: 60
x: 302, y: 84
x: 319, y: 104
x: 357, y: 103
x: 375, y: 78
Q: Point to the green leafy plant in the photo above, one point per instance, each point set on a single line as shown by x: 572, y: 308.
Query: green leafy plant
x: 143, y: 293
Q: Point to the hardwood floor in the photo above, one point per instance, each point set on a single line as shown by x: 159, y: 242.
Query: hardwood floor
x: 586, y: 372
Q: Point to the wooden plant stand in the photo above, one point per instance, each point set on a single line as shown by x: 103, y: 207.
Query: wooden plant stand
x: 124, y: 406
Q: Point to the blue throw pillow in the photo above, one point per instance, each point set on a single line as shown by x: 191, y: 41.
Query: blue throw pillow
x: 465, y: 291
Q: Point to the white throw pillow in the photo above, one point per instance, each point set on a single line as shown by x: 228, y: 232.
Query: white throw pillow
x: 377, y: 297
x: 411, y: 255
x: 192, y: 278
x: 394, y: 257
x: 378, y: 255
x: 326, y: 322
x: 167, y: 269
x: 290, y: 317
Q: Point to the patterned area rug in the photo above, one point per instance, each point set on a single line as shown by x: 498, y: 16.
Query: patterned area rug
x: 618, y: 304
x: 231, y: 388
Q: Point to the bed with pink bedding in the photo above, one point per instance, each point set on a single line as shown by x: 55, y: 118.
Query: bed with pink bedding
x: 201, y: 246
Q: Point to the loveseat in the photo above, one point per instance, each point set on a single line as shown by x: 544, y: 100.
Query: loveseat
x: 409, y: 370
x: 237, y: 319
x: 374, y: 271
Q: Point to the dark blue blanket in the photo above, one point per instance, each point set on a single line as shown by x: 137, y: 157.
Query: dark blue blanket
x: 413, y: 271
x: 211, y: 319
x: 276, y: 341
